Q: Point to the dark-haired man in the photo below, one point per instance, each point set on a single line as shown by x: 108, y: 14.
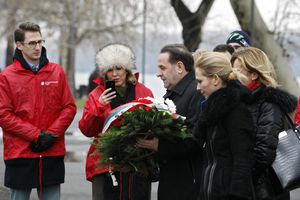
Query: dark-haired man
x: 176, y: 70
x: 179, y: 163
x: 227, y: 49
x: 36, y: 109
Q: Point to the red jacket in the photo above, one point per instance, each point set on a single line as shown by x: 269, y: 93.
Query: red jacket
x: 30, y: 103
x: 92, y: 121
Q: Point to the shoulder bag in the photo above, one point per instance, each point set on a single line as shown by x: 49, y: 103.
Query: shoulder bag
x: 287, y: 162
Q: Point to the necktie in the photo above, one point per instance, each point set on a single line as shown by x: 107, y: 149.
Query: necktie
x: 35, y: 69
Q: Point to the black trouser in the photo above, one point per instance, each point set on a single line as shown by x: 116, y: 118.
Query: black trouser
x: 283, y: 196
x: 130, y: 187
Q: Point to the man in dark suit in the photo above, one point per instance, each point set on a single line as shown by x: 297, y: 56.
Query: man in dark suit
x: 179, y: 164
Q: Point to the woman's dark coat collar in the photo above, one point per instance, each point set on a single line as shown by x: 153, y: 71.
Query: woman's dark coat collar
x: 223, y: 101
x: 286, y: 101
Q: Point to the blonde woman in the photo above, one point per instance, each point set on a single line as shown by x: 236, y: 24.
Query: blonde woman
x: 225, y: 128
x: 268, y: 108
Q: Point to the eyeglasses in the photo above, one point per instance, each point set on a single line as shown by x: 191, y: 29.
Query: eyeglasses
x: 33, y: 44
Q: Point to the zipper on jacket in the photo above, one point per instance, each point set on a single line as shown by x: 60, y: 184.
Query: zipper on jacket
x: 41, y: 178
x: 211, y: 177
x: 38, y: 88
x: 190, y: 162
x: 209, y: 172
x: 207, y: 169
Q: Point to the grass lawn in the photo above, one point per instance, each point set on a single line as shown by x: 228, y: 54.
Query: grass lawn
x: 80, y: 103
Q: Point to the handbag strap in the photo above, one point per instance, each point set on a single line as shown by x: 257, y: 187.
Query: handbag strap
x: 289, y: 120
x: 292, y: 125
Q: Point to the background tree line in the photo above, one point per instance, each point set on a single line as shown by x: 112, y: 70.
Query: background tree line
x: 96, y: 22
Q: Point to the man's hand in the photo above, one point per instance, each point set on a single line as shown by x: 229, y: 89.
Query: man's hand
x: 44, y: 142
x: 151, y: 144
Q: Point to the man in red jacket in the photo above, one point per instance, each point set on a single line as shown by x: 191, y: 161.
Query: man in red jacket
x: 36, y: 109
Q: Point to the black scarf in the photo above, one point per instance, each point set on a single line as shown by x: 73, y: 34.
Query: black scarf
x: 128, y: 97
x: 222, y: 101
x: 43, y: 60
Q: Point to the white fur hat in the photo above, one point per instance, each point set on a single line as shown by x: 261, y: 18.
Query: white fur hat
x: 115, y: 55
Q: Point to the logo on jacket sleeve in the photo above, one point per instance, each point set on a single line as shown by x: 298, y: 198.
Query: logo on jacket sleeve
x: 49, y: 82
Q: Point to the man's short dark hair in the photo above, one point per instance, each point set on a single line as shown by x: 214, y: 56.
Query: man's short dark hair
x: 19, y: 34
x: 224, y: 48
x: 178, y: 52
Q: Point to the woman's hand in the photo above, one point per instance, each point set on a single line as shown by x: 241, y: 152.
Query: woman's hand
x: 151, y: 144
x: 107, y: 96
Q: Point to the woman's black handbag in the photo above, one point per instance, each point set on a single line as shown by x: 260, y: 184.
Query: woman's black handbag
x: 287, y: 161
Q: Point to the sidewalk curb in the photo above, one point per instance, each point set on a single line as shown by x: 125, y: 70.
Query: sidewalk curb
x: 4, y: 193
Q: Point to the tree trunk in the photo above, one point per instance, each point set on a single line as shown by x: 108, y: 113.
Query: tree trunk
x: 9, y: 50
x: 264, y: 40
x: 192, y: 22
x: 71, y: 50
x: 70, y: 64
x: 11, y: 23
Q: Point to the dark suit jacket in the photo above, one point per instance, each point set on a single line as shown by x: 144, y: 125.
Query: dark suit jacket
x: 179, y: 167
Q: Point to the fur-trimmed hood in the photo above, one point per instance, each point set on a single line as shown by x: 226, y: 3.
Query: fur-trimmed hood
x: 286, y: 101
x: 222, y: 102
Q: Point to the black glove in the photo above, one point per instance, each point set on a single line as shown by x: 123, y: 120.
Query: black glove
x: 44, y: 142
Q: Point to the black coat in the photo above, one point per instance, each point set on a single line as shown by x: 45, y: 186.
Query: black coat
x: 225, y: 128
x: 268, y: 108
x: 179, y: 168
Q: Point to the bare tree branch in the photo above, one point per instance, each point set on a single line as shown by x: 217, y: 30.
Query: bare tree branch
x: 192, y: 22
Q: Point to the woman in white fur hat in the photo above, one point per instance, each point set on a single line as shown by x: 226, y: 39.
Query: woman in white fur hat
x: 115, y: 63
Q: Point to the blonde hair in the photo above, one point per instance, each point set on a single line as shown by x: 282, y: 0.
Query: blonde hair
x: 198, y: 53
x: 130, y: 77
x: 216, y: 63
x: 255, y: 60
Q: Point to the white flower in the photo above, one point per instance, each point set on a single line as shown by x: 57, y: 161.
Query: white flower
x: 159, y: 104
x: 159, y: 101
x: 162, y: 104
x: 171, y: 105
